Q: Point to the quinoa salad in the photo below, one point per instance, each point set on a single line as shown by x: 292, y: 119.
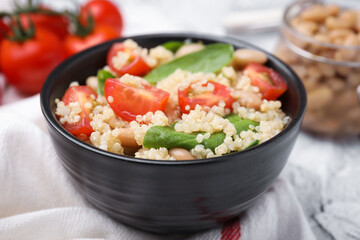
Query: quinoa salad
x: 177, y: 101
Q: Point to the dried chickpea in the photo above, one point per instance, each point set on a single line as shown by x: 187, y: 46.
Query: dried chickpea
x: 353, y: 79
x: 350, y: 17
x: 316, y: 13
x: 343, y: 71
x: 300, y: 70
x: 313, y: 73
x: 346, y: 99
x: 345, y: 55
x: 333, y: 23
x: 340, y: 33
x: 306, y: 28
x: 322, y: 37
x: 332, y: 9
x: 326, y: 70
x: 357, y: 23
x: 354, y: 114
x: 327, y: 52
x: 310, y: 85
x: 320, y: 97
x: 336, y: 84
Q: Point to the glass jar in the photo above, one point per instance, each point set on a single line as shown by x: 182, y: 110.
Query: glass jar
x: 324, y: 50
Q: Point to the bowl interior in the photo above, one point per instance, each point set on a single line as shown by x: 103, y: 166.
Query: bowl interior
x: 87, y: 63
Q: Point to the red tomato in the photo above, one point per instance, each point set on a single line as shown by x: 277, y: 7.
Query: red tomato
x: 27, y: 64
x: 128, y: 101
x: 82, y: 94
x: 269, y: 82
x: 104, y: 13
x: 3, y: 29
x: 209, y: 99
x: 136, y: 65
x: 100, y: 34
x: 55, y: 23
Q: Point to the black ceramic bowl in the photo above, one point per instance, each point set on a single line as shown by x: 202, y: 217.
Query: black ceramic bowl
x: 169, y: 196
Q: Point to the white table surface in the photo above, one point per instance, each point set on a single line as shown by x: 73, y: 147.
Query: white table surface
x: 325, y: 173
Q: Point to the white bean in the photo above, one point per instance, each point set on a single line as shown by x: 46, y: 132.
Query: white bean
x: 189, y: 48
x: 181, y: 154
x: 127, y: 138
x: 248, y: 99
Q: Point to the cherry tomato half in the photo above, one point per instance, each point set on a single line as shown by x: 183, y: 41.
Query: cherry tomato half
x: 269, y: 82
x: 135, y: 66
x: 209, y: 99
x: 100, y: 34
x: 104, y: 12
x: 81, y: 94
x: 128, y: 101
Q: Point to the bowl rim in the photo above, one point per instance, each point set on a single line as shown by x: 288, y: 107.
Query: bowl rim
x: 54, y: 123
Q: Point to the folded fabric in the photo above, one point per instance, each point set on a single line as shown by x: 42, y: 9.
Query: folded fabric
x: 37, y: 200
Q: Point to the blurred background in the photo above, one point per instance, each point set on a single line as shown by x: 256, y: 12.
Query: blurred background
x: 324, y: 171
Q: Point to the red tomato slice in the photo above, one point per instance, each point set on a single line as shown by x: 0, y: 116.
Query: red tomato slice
x: 209, y: 99
x: 269, y: 82
x: 128, y: 101
x: 136, y: 65
x: 81, y: 94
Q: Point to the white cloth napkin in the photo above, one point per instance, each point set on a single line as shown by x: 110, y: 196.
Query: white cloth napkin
x: 37, y: 200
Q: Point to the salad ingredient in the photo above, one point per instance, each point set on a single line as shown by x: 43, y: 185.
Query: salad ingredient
x: 240, y: 123
x: 159, y: 136
x: 182, y: 117
x: 127, y: 138
x: 248, y: 99
x: 213, y: 94
x: 173, y: 46
x: 129, y: 101
x: 180, y: 154
x: 103, y: 12
x: 189, y: 48
x: 211, y: 59
x: 253, y: 144
x: 101, y: 78
x: 269, y: 82
x: 78, y: 123
x: 243, y: 57
x: 134, y: 64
